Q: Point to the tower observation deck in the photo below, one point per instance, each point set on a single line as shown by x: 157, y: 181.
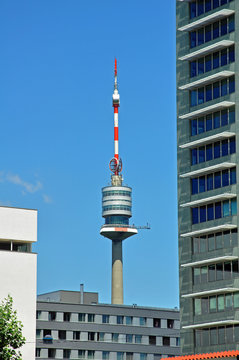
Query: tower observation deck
x: 117, y: 209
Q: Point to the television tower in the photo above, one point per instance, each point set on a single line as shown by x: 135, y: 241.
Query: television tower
x: 116, y: 208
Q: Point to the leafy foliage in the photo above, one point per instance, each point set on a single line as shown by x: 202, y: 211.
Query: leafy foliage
x: 11, y: 337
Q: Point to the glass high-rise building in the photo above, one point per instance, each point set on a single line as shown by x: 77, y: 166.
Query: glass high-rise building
x: 208, y: 163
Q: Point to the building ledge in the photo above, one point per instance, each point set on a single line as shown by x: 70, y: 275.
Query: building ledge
x: 207, y: 50
x: 211, y: 292
x: 208, y: 139
x: 207, y: 20
x: 211, y: 324
x: 208, y: 170
x: 207, y: 110
x: 208, y: 200
x: 210, y: 261
x: 207, y: 80
x: 209, y: 230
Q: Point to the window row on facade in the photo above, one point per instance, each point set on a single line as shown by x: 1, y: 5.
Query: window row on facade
x: 49, y: 336
x: 212, y: 31
x: 92, y: 354
x: 214, y: 211
x: 216, y: 241
x: 213, y: 181
x: 212, y: 61
x: 105, y: 319
x: 217, y: 335
x: 199, y: 7
x: 212, y: 121
x: 212, y: 91
x: 213, y: 151
x: 215, y: 272
x: 212, y: 304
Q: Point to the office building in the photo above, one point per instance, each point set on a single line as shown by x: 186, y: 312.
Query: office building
x: 18, y: 230
x: 207, y: 135
x: 74, y: 325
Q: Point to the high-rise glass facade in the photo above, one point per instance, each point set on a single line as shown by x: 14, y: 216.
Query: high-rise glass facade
x: 207, y: 136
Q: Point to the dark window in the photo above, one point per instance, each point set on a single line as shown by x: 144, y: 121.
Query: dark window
x: 62, y: 334
x: 223, y: 87
x: 218, y: 210
x: 157, y: 322
x: 216, y: 30
x: 208, y: 5
x: 231, y: 26
x: 208, y: 92
x: 152, y: 340
x: 202, y: 214
x: 52, y: 316
x: 208, y: 63
x: 194, y: 186
x: 120, y: 319
x: 193, y: 68
x: 194, y: 156
x: 231, y: 84
x: 194, y: 95
x: 208, y: 152
x: 105, y: 319
x: 91, y: 317
x: 216, y: 149
x: 201, y: 95
x: 193, y: 10
x: 81, y: 317
x: 200, y: 7
x: 211, y: 272
x: 219, y: 271
x: 224, y: 117
x: 52, y: 353
x: 224, y: 57
x: 67, y: 316
x: 195, y: 215
x: 219, y: 243
x: 208, y: 33
x: 194, y: 127
x: 213, y: 336
x: 224, y: 147
x: 201, y: 125
x: 166, y: 341
x: 233, y: 176
x: 227, y: 270
x: 208, y: 122
x: 215, y: 60
x: 231, y: 116
x: 209, y: 182
x: 200, y: 36
x: 210, y: 212
x: 232, y: 145
x: 229, y: 334
x: 66, y: 354
x: 221, y: 335
x: 202, y: 184
x: 201, y: 66
x: 217, y: 180
x: 223, y: 27
x: 201, y: 154
x: 193, y: 36
x: 76, y: 335
x: 225, y: 178
x: 216, y: 90
x: 231, y: 54
x: 170, y: 324
x: 91, y: 336
x: 216, y: 120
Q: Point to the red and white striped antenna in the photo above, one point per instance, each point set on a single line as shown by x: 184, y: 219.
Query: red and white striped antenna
x: 116, y: 162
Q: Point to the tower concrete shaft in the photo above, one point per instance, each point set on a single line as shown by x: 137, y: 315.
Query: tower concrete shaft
x: 117, y: 294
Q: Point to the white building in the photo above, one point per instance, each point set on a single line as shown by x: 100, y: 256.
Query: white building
x: 18, y: 230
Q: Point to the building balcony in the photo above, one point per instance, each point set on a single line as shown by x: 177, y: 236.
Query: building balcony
x: 207, y: 20
x: 207, y: 110
x: 210, y: 261
x: 211, y: 292
x: 208, y: 170
x: 208, y: 200
x: 207, y: 80
x: 208, y: 140
x: 207, y: 50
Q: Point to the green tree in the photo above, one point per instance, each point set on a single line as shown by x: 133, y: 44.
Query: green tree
x: 11, y: 337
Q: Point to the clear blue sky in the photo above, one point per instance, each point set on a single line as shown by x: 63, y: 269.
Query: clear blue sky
x: 56, y: 138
